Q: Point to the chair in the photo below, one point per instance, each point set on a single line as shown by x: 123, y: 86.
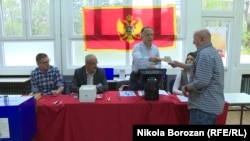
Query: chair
x: 123, y: 88
x: 171, y: 84
x: 122, y: 85
x: 65, y: 91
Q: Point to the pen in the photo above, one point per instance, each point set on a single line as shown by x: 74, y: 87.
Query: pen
x: 57, y: 102
x: 108, y: 99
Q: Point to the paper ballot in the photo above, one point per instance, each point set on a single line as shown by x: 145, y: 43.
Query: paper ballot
x: 182, y: 98
x: 167, y: 59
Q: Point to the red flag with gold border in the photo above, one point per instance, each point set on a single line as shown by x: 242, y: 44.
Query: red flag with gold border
x: 118, y: 28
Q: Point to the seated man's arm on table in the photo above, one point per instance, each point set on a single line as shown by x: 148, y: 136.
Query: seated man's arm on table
x: 59, y: 84
x: 34, y: 88
x: 33, y: 83
x: 59, y: 90
x: 75, y: 84
x: 101, y: 81
x: 37, y: 96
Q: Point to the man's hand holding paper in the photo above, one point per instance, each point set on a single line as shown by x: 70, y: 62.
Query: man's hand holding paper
x: 170, y: 62
x: 167, y: 59
x: 154, y: 59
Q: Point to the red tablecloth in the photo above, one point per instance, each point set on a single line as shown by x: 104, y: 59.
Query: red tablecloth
x: 105, y: 120
x: 182, y: 114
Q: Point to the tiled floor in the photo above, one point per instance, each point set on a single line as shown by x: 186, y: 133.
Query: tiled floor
x: 233, y: 117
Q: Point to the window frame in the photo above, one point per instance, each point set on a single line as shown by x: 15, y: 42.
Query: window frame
x: 54, y: 36
x: 70, y: 31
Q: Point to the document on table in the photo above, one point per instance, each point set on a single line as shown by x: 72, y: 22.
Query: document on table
x: 127, y: 93
x: 141, y: 93
x: 161, y: 92
x: 4, y: 130
x: 182, y: 98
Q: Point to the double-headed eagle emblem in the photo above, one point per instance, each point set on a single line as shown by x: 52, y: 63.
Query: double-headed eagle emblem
x: 129, y: 29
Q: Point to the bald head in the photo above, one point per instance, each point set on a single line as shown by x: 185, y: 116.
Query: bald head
x: 90, y: 57
x: 91, y: 63
x: 205, y: 35
x: 201, y: 37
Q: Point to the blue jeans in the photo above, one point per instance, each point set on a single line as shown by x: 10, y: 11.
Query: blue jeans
x: 198, y: 117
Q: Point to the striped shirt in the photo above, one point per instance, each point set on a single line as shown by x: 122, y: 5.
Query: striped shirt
x: 207, y: 79
x: 46, y: 82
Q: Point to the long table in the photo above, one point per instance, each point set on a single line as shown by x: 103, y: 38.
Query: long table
x: 238, y: 99
x: 106, y: 120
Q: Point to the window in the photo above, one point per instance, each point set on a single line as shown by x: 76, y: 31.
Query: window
x: 218, y: 18
x: 122, y: 60
x: 26, y: 22
x: 220, y: 29
x: 227, y: 5
x: 40, y: 18
x: 245, y: 42
x: 218, y: 5
x: 12, y: 18
x: 27, y: 29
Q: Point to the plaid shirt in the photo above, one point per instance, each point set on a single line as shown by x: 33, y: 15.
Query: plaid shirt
x: 46, y: 82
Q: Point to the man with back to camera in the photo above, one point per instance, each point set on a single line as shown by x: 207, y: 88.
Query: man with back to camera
x: 89, y: 74
x: 46, y: 79
x: 145, y: 55
x: 205, y: 90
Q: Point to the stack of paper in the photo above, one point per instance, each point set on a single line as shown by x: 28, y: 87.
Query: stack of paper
x: 161, y: 92
x: 127, y: 93
x: 182, y: 98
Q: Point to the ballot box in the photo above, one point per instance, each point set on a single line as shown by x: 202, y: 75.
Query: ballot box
x: 17, y: 118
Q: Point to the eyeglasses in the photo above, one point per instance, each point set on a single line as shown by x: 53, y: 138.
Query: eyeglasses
x: 92, y: 63
x: 191, y: 59
x: 45, y: 62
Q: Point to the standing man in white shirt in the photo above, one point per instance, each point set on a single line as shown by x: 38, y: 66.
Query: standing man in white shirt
x: 145, y: 56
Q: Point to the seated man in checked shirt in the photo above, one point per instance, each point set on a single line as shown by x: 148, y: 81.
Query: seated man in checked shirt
x: 46, y: 79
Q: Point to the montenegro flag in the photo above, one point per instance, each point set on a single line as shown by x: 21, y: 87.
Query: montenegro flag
x: 118, y: 28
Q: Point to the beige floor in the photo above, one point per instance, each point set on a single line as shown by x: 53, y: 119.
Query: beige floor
x: 233, y: 117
